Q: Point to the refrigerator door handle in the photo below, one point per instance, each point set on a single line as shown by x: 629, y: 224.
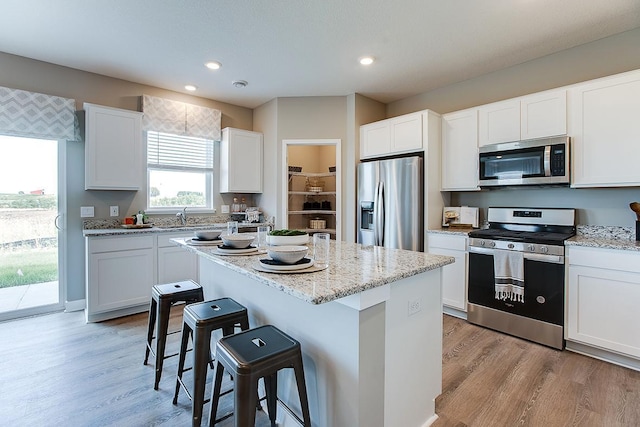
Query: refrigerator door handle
x: 379, y: 215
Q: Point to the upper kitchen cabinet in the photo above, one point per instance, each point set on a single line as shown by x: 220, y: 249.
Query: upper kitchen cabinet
x: 605, y: 130
x: 400, y: 134
x: 460, y: 151
x: 113, y: 148
x: 241, y: 155
x: 499, y: 122
x: 533, y: 116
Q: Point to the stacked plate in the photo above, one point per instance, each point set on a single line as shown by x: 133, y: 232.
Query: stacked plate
x: 230, y: 250
x: 194, y: 241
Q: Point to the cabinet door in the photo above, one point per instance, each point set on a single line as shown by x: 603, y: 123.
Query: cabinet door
x: 119, y: 279
x: 113, y: 148
x: 602, y: 309
x: 406, y: 133
x: 499, y: 122
x: 460, y: 151
x: 605, y: 130
x: 175, y: 263
x: 454, y: 276
x: 241, y: 154
x: 375, y: 139
x: 543, y: 114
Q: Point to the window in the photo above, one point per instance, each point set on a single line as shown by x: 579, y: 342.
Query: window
x: 179, y: 172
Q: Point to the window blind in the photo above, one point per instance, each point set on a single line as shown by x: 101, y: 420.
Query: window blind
x: 167, y: 151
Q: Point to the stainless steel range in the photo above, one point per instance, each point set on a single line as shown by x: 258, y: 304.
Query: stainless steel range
x: 516, y: 273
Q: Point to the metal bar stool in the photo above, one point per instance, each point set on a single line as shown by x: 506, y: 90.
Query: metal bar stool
x: 257, y: 353
x: 200, y: 320
x: 163, y: 297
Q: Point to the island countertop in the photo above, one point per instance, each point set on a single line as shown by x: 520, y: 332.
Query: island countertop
x: 353, y: 268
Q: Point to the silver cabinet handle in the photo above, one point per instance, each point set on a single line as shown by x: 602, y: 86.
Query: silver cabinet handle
x: 56, y: 223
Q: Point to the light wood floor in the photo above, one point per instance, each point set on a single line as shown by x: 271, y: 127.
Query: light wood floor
x: 491, y: 379
x: 55, y: 370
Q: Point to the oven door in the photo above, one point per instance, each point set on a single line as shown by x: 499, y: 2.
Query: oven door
x: 543, y: 286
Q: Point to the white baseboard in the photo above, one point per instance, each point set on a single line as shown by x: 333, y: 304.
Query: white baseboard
x: 75, y: 305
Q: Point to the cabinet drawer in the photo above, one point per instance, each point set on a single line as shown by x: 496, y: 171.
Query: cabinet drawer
x: 611, y: 259
x: 456, y: 243
x: 111, y: 244
x: 164, y: 239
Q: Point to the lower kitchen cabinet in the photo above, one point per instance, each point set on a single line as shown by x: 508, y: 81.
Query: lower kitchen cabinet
x: 602, y: 300
x: 121, y: 270
x: 120, y: 274
x: 174, y: 263
x: 454, y: 276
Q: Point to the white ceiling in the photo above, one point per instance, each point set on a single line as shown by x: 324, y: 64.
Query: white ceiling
x: 302, y: 47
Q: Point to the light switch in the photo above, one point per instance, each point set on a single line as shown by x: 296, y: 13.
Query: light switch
x: 86, y: 212
x: 224, y: 208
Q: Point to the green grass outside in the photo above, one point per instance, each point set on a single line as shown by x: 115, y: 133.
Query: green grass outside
x: 36, y: 266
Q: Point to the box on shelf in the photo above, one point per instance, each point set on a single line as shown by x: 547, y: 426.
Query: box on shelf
x: 460, y: 216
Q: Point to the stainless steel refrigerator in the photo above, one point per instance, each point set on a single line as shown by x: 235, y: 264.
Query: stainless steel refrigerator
x: 390, y: 203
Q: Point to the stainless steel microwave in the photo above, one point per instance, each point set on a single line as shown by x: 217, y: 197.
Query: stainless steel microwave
x: 533, y: 162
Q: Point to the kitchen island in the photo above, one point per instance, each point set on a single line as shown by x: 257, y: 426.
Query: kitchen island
x: 370, y: 327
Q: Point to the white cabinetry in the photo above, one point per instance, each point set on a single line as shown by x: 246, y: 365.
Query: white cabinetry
x: 533, y: 116
x: 603, y: 296
x: 605, y: 131
x: 402, y: 134
x: 175, y: 264
x: 460, y: 151
x: 113, y: 148
x: 454, y: 276
x: 120, y: 274
x: 241, y: 154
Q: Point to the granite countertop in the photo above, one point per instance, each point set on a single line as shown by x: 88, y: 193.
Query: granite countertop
x: 353, y: 268
x: 452, y: 231
x: 95, y: 232
x: 605, y: 237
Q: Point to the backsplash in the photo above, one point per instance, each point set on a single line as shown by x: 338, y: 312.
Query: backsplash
x: 158, y: 221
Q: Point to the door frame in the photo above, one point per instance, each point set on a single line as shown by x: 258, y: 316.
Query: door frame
x: 285, y: 178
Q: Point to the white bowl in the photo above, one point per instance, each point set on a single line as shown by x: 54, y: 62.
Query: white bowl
x: 207, y: 234
x: 287, y: 240
x: 287, y: 254
x: 238, y: 241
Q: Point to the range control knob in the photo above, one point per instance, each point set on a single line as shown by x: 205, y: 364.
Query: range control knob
x: 482, y: 243
x: 510, y: 246
x: 544, y: 249
x: 492, y: 244
x: 531, y: 248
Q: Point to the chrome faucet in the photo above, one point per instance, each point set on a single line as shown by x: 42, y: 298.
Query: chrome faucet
x: 183, y: 216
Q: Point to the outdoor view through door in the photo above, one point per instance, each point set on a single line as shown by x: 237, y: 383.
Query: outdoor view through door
x: 28, y: 234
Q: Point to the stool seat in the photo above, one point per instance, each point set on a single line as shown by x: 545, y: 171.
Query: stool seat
x: 200, y: 320
x: 163, y: 297
x: 250, y: 355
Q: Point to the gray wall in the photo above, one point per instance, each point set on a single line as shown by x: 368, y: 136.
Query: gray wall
x: 601, y: 58
x: 27, y: 74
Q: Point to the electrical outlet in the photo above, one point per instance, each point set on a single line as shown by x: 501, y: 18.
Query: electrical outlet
x: 414, y: 306
x: 114, y: 211
x: 86, y: 212
x: 224, y: 208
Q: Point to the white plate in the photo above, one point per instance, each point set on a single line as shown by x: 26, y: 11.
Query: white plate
x: 286, y: 267
x: 313, y: 269
x: 244, y: 251
x: 197, y: 242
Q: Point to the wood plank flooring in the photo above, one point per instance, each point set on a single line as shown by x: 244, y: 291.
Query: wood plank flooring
x: 491, y: 379
x: 55, y: 370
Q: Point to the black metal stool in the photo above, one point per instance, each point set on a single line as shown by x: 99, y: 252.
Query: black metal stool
x: 200, y: 320
x: 257, y: 353
x: 162, y: 298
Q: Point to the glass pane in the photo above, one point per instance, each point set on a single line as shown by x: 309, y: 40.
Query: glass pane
x: 513, y: 165
x: 28, y: 237
x: 178, y: 188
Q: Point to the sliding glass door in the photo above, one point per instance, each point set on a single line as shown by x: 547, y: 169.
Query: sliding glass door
x: 30, y: 227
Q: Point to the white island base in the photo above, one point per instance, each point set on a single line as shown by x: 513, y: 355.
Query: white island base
x: 370, y: 359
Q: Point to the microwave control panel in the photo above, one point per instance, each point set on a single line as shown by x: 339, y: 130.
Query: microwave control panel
x: 558, y: 160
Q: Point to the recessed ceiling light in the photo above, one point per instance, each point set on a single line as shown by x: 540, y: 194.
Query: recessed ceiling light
x: 366, y: 60
x: 190, y: 88
x: 213, y: 65
x: 239, y: 83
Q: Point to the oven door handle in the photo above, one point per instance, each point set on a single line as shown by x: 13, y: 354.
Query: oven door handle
x: 555, y: 259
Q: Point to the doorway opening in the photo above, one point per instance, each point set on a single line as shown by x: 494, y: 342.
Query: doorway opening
x: 29, y: 236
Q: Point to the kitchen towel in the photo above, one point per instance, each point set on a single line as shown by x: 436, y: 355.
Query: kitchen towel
x: 508, y: 269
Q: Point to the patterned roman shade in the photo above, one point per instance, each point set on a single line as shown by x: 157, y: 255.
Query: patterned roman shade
x: 179, y: 118
x: 36, y: 115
